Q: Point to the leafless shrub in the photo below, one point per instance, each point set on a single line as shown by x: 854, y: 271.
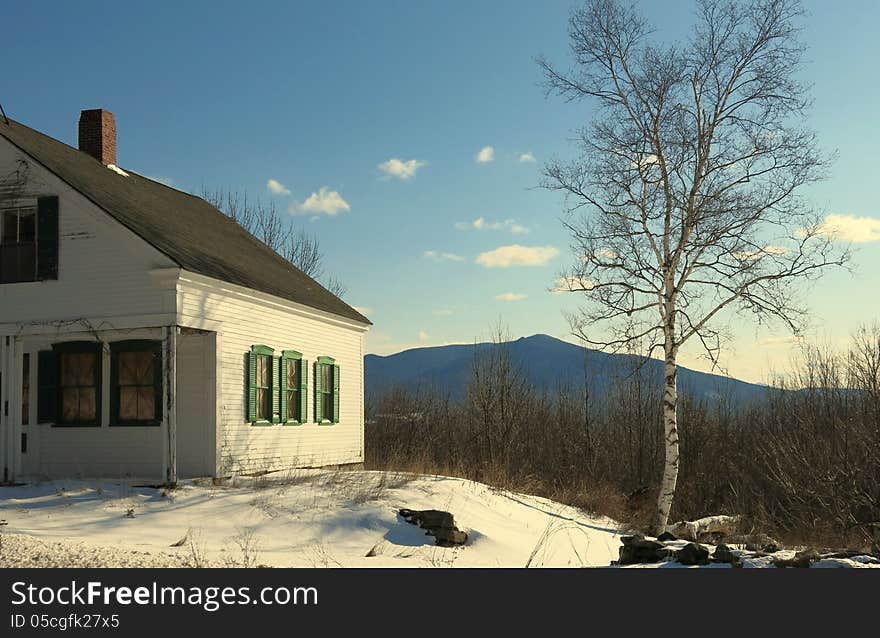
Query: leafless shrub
x: 801, y: 464
x: 195, y: 547
x: 248, y: 549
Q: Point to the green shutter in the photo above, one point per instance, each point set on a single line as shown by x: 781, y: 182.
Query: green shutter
x: 303, y: 390
x: 47, y: 386
x: 252, y: 387
x: 335, y: 394
x: 275, y: 384
x: 317, y: 415
x: 47, y: 238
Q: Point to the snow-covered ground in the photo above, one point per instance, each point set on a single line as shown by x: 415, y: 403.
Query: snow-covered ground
x: 308, y: 518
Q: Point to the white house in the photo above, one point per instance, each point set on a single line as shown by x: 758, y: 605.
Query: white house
x: 145, y: 335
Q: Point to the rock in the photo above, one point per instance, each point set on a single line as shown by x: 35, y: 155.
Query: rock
x: 428, y: 518
x: 709, y: 527
x: 770, y: 548
x: 722, y: 554
x: 446, y: 537
x: 665, y: 537
x: 637, y: 549
x: 437, y: 523
x: 754, y: 542
x: 802, y: 559
x: 693, y: 554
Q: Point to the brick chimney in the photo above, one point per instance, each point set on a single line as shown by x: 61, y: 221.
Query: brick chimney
x: 97, y: 135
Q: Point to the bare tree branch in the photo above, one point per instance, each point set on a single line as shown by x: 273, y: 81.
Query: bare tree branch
x: 265, y: 223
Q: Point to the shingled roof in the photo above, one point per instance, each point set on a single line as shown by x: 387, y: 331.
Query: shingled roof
x: 186, y: 228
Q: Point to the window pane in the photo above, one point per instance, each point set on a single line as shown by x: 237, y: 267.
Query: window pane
x: 326, y: 376
x: 292, y: 373
x: 263, y: 371
x: 78, y: 368
x: 326, y: 405
x: 136, y: 368
x: 264, y: 405
x: 292, y: 404
x: 146, y: 404
x: 86, y: 404
x: 128, y: 404
x: 69, y: 404
x: 78, y: 396
x: 27, y: 225
x: 77, y: 405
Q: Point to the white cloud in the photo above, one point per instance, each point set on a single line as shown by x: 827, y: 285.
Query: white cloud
x: 516, y: 255
x: 780, y: 342
x: 423, y: 336
x: 510, y: 296
x: 486, y: 154
x: 752, y: 255
x: 480, y: 223
x: 527, y: 157
x: 364, y: 310
x: 572, y: 284
x: 605, y: 254
x: 277, y: 188
x: 325, y: 201
x: 401, y: 169
x: 436, y: 255
x: 858, y: 230
x: 647, y: 160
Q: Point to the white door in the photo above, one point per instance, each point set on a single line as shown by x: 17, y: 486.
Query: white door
x: 196, y: 440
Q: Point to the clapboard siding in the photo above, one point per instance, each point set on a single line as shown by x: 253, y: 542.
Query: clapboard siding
x: 105, y: 451
x: 104, y: 269
x: 245, y: 319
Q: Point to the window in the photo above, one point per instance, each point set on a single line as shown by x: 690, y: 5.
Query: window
x: 25, y: 389
x: 263, y: 395
x: 136, y: 383
x: 18, y: 245
x: 79, y: 383
x: 264, y: 387
x: 294, y: 392
x: 293, y: 383
x: 29, y: 242
x: 326, y: 391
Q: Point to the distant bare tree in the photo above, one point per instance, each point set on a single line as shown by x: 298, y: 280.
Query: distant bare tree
x: 685, y: 200
x: 265, y: 223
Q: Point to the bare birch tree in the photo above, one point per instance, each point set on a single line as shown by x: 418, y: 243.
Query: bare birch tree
x: 685, y: 204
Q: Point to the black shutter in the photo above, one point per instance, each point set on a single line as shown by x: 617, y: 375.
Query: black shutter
x: 47, y: 390
x: 47, y: 238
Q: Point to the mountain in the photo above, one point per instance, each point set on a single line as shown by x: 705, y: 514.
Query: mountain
x: 546, y: 362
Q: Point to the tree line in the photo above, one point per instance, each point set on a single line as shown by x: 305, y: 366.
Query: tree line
x: 802, y: 464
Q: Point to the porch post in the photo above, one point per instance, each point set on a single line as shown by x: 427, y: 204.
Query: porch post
x: 5, y: 438
x: 169, y: 454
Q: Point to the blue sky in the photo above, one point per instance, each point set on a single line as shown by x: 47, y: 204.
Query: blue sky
x: 318, y: 95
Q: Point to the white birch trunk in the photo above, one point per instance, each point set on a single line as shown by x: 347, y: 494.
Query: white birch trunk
x: 670, y: 435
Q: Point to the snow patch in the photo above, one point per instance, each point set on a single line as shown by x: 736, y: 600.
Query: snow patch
x: 116, y: 169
